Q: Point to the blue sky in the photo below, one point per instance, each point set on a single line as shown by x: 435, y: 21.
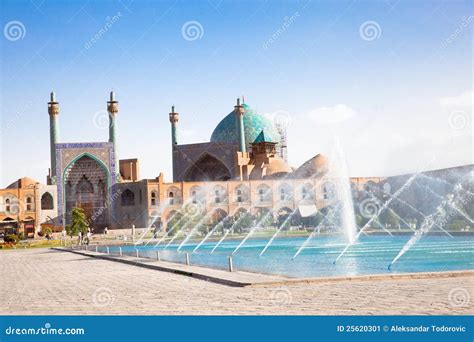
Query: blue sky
x: 397, y: 101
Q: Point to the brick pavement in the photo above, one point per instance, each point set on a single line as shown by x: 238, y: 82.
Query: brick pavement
x: 43, y: 282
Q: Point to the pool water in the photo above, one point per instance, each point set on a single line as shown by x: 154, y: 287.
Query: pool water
x: 369, y: 255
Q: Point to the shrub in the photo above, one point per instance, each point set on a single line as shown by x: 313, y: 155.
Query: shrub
x: 11, y: 238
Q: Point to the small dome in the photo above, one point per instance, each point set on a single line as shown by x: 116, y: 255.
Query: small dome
x: 22, y: 183
x: 314, y: 167
x: 275, y: 167
x: 254, y: 123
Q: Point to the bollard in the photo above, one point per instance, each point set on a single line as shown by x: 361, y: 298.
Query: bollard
x: 96, y: 249
x: 120, y: 251
x: 187, y: 259
x: 108, y: 250
x: 137, y: 253
x: 231, y: 265
x: 158, y: 256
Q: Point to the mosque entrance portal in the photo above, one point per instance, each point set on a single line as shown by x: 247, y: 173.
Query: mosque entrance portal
x: 85, y: 187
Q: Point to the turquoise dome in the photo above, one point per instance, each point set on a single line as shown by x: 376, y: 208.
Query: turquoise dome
x: 254, y: 123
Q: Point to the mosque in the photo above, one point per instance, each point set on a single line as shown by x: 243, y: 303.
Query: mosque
x: 242, y: 169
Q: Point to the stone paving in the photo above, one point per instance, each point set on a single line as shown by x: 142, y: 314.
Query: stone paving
x: 47, y: 282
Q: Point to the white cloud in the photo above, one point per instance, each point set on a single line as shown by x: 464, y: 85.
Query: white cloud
x: 331, y: 115
x: 463, y: 100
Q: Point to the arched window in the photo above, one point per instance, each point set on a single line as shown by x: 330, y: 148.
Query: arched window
x: 241, y: 194
x: 153, y: 199
x: 285, y: 192
x: 128, y: 198
x: 328, y: 191
x: 171, y: 197
x: 264, y: 193
x: 47, y: 201
x: 29, y: 204
x: 217, y: 196
x: 307, y: 192
x: 197, y: 194
x: 7, y: 205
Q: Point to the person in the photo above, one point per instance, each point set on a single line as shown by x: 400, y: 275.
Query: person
x: 88, y: 237
x: 63, y: 236
x: 106, y: 229
x: 80, y: 238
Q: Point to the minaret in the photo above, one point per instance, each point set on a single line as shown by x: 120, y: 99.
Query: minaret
x: 53, y: 111
x: 113, y: 108
x: 239, y: 113
x: 174, y: 118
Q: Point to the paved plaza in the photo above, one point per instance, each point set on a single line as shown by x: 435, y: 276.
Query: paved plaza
x: 48, y: 282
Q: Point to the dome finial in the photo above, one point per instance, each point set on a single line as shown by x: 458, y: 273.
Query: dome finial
x: 172, y: 109
x: 53, y: 96
x: 238, y: 101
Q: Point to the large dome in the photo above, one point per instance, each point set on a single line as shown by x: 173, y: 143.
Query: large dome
x: 254, y: 123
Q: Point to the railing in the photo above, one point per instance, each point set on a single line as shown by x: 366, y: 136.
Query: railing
x: 219, y: 261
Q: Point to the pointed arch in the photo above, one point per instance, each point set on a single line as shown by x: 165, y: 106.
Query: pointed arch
x: 207, y: 168
x: 86, y: 181
x: 47, y: 202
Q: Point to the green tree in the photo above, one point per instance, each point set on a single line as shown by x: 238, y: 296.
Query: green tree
x: 78, y: 224
x: 244, y: 220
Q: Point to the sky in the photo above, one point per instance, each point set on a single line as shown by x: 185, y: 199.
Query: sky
x: 386, y: 84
